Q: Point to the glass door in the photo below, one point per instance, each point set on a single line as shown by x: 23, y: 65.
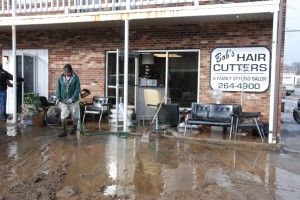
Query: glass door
x: 116, y: 66
x: 26, y: 68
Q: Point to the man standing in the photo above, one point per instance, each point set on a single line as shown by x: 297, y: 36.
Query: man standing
x: 4, y: 82
x: 67, y: 94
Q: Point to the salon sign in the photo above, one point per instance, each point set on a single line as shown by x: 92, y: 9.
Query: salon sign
x: 240, y: 69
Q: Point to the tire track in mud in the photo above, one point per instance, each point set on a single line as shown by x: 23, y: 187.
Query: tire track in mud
x: 37, y: 173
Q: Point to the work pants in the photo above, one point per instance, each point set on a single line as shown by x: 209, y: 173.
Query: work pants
x: 3, y: 95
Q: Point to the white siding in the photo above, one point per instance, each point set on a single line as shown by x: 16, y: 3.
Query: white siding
x: 41, y: 84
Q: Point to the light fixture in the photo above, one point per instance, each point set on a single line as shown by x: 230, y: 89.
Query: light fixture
x: 237, y: 17
x: 171, y: 55
x: 148, y: 59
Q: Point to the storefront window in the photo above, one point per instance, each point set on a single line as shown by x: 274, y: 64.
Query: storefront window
x: 183, y: 77
x: 180, y: 84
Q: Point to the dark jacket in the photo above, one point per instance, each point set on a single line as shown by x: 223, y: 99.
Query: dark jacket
x: 73, y: 91
x: 4, y: 76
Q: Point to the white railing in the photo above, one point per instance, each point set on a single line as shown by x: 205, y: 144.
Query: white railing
x: 37, y: 7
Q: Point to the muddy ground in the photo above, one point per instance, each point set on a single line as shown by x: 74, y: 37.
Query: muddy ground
x: 36, y: 164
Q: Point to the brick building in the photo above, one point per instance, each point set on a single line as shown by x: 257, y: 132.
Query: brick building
x: 184, y: 39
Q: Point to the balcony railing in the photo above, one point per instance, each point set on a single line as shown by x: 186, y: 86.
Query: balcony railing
x: 50, y: 7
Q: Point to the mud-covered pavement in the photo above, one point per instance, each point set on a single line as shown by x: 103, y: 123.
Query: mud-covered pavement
x: 36, y: 164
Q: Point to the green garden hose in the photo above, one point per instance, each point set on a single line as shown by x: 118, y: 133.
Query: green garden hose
x: 120, y: 134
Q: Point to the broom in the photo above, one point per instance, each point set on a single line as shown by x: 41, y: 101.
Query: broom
x: 145, y: 136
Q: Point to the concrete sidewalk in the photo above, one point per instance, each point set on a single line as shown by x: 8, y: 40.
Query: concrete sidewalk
x: 289, y: 141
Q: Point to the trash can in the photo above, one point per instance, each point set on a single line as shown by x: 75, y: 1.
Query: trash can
x: 282, y: 106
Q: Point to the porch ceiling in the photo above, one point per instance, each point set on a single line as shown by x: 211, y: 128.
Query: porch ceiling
x: 145, y: 22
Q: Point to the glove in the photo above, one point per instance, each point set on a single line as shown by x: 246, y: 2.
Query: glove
x: 8, y: 83
x: 20, y: 79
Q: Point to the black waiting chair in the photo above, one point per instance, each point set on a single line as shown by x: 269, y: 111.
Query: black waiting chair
x: 249, y: 120
x: 96, y: 107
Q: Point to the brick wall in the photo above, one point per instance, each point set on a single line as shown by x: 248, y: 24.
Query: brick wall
x: 85, y: 50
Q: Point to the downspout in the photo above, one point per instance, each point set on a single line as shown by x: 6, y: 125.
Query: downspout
x: 14, y: 41
x: 278, y: 61
x: 274, y: 85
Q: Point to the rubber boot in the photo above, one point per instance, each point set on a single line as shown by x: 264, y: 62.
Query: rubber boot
x: 74, y: 129
x: 64, y: 126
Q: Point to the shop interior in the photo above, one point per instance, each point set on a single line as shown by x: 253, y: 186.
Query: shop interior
x: 173, y: 73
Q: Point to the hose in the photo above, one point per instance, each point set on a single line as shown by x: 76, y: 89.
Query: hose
x: 120, y: 134
x: 51, y: 126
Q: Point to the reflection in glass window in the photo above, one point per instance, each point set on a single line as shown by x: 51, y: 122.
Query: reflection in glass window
x: 183, y: 78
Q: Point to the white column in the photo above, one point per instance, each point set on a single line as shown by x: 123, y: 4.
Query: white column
x: 167, y: 76
x: 126, y: 36
x: 14, y: 36
x: 273, y: 106
x: 117, y: 87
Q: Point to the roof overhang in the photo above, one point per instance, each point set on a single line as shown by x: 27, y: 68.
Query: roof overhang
x: 250, y: 11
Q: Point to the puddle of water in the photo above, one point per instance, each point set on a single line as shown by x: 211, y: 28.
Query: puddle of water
x: 9, y: 131
x: 12, y: 131
x: 110, y: 190
x: 3, y: 131
x: 12, y: 150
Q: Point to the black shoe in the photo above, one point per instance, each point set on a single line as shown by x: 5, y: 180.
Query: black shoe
x: 73, y: 131
x: 63, y: 133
